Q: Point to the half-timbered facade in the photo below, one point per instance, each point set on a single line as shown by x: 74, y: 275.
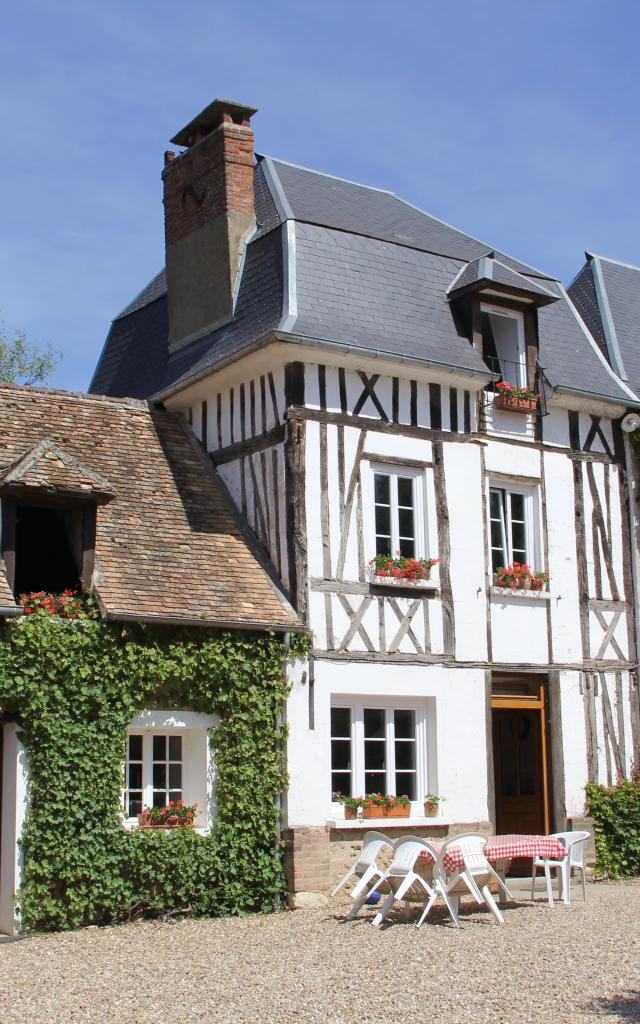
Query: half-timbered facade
x: 344, y: 382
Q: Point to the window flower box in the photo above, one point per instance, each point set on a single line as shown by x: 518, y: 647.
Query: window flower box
x: 515, y: 399
x: 379, y: 806
x: 519, y: 576
x: 385, y: 571
x: 174, y: 815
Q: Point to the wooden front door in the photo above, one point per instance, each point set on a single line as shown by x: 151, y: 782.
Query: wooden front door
x: 520, y: 758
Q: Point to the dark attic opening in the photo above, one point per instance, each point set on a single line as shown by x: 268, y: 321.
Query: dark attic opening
x: 45, y: 558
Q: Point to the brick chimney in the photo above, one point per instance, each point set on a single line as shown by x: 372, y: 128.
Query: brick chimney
x: 208, y: 213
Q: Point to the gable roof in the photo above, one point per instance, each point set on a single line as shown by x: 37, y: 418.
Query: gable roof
x: 169, y: 546
x: 487, y: 271
x: 350, y: 267
x: 607, y: 293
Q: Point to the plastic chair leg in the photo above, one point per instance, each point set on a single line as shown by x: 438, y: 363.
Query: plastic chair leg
x: 432, y: 899
x: 584, y: 885
x: 364, y: 882
x: 343, y: 881
x: 357, y: 906
x: 547, y: 873
x: 534, y: 878
x: 491, y: 903
x: 384, y: 910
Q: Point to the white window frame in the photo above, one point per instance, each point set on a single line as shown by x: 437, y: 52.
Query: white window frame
x: 357, y: 707
x: 198, y: 784
x: 531, y: 495
x: 419, y: 510
x: 520, y: 356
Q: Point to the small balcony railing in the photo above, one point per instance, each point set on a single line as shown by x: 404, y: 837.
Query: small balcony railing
x: 518, y: 375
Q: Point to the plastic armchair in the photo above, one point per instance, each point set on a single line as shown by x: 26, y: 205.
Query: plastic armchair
x: 574, y: 842
x: 366, y: 867
x: 401, y: 880
x: 473, y: 877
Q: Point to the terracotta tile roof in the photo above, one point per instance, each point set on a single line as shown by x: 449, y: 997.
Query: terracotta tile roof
x: 45, y: 467
x: 168, y: 544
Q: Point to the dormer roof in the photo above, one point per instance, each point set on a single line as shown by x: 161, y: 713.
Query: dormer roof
x: 45, y: 468
x: 493, y: 277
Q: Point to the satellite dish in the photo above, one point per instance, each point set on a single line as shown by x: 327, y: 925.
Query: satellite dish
x: 630, y: 422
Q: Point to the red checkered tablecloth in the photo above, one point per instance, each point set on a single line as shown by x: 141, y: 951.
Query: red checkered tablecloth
x: 507, y: 848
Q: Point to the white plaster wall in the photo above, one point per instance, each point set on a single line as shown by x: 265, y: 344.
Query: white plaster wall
x: 466, y: 509
x: 518, y: 630
x: 456, y: 741
x: 574, y: 742
x: 14, y: 808
x: 565, y: 609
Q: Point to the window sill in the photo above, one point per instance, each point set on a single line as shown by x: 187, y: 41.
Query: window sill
x: 388, y: 583
x: 382, y: 824
x: 131, y: 825
x: 504, y: 593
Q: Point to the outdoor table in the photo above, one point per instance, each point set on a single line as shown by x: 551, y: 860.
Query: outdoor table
x: 500, y: 850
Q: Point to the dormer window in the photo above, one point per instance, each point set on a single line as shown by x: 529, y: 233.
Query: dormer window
x: 503, y: 343
x: 48, y: 549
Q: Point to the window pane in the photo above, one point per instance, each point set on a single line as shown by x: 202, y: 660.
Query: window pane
x: 341, y: 783
x: 159, y: 748
x: 405, y: 523
x: 383, y: 546
x: 159, y: 776
x: 175, y: 776
x: 374, y: 719
x: 135, y: 776
x: 405, y: 756
x: 518, y: 536
x: 406, y: 785
x: 407, y: 548
x: 175, y: 748
x: 405, y: 491
x: 175, y: 795
x: 496, y: 535
x: 340, y: 755
x: 375, y: 782
x: 382, y: 490
x: 498, y: 561
x: 374, y: 755
x: 160, y: 798
x: 383, y: 520
x: 495, y: 504
x: 341, y: 722
x: 404, y: 724
x: 517, y: 507
x: 135, y: 748
x: 135, y: 804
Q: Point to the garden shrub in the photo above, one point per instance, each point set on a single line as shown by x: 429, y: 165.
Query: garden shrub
x: 616, y: 815
x: 73, y: 686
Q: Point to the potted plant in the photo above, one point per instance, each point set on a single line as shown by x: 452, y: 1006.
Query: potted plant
x: 539, y: 580
x: 174, y: 815
x: 515, y: 398
x: 351, y: 804
x: 378, y: 805
x: 400, y: 570
x: 431, y: 803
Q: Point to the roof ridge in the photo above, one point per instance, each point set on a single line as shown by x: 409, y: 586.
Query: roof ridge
x: 324, y: 174
x: 610, y: 259
x: 80, y: 396
x: 123, y: 312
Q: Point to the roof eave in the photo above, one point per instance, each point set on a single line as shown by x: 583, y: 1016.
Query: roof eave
x: 149, y: 618
x: 489, y: 285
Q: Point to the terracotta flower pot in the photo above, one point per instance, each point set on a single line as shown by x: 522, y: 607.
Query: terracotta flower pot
x: 351, y: 812
x: 430, y: 810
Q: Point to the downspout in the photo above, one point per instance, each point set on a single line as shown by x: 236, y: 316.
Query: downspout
x: 280, y: 721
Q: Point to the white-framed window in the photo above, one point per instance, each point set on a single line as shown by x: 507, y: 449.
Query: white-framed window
x: 379, y: 747
x: 168, y: 758
x: 513, y: 525
x: 503, y: 342
x: 398, y: 511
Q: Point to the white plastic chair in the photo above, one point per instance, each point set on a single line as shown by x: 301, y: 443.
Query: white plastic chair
x: 473, y: 877
x: 574, y: 861
x: 366, y: 868
x: 401, y: 879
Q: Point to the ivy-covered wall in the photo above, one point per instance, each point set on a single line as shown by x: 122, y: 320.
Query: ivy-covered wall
x: 73, y: 686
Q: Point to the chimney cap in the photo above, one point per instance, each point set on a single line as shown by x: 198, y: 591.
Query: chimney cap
x: 210, y: 118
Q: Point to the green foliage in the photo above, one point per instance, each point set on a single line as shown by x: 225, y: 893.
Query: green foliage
x: 616, y: 814
x: 74, y: 686
x: 24, y: 362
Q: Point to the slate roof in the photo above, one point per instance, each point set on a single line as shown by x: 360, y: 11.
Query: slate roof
x: 371, y: 274
x: 169, y: 546
x: 607, y: 294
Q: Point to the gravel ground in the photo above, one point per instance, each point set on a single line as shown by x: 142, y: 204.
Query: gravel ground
x: 563, y: 966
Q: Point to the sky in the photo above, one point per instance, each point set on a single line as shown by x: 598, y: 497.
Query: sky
x: 516, y: 122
